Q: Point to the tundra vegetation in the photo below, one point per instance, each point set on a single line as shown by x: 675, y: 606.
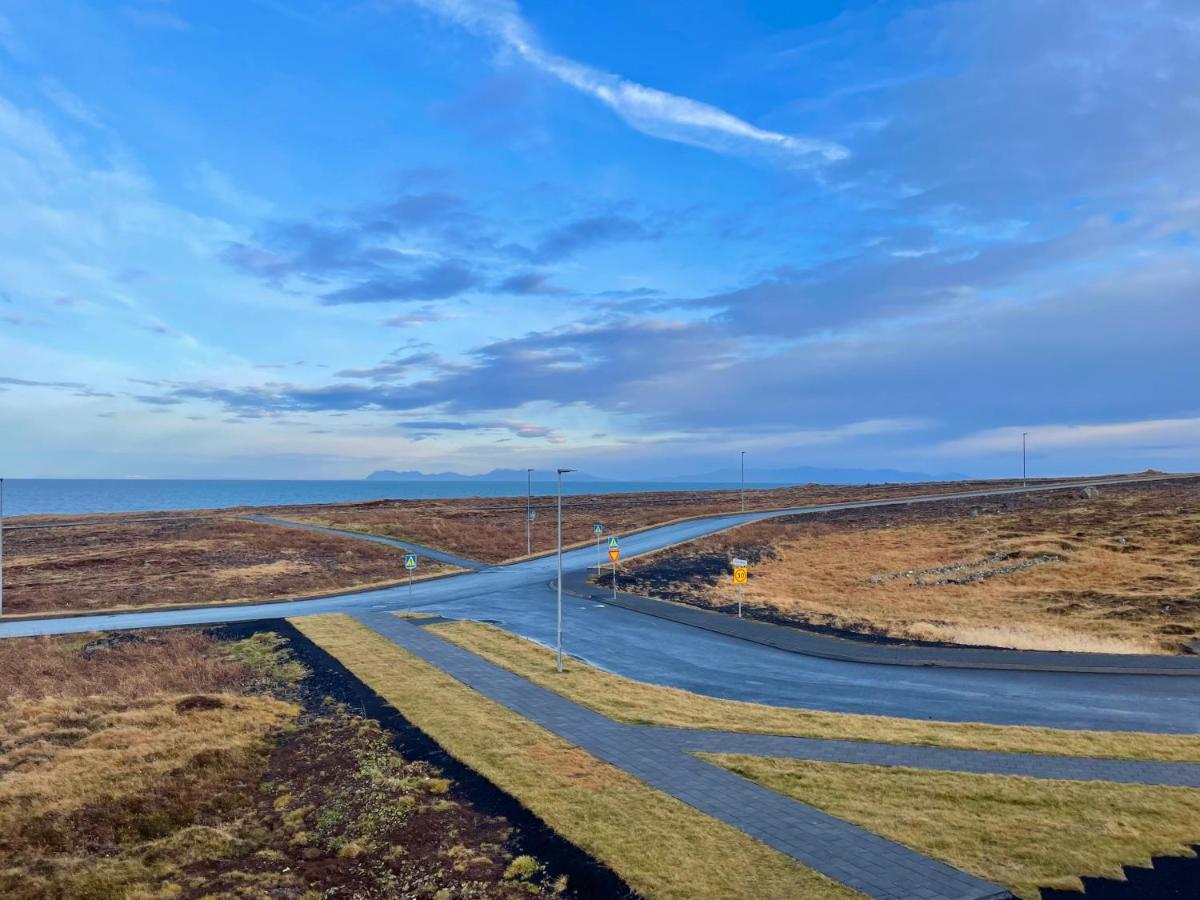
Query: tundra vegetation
x: 180, y: 764
x: 492, y: 529
x: 1108, y: 569
x: 117, y: 562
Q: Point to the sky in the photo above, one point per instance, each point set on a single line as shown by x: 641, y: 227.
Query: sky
x: 311, y: 239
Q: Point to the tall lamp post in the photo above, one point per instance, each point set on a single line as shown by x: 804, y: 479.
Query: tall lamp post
x: 528, y: 511
x: 1024, y: 481
x: 743, y: 491
x: 561, y: 473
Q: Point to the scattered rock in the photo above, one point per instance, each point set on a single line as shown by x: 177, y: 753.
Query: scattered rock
x: 1090, y: 493
x: 113, y: 641
x: 969, y: 572
x: 1192, y: 647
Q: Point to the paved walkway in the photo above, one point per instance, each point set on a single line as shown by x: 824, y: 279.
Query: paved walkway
x: 851, y: 855
x: 419, y: 549
x: 944, y: 759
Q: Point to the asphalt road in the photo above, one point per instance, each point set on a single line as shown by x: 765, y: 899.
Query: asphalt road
x: 519, y: 598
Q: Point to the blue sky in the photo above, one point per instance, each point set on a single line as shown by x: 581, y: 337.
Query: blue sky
x: 299, y: 238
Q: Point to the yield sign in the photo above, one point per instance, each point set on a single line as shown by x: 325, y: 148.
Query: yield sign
x: 614, y: 554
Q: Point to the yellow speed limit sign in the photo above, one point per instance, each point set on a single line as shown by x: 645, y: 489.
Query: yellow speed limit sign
x: 740, y: 571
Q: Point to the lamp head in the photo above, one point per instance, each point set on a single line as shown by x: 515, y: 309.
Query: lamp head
x: 565, y: 471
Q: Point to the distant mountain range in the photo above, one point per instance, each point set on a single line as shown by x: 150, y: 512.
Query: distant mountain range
x: 809, y: 474
x: 494, y: 475
x: 793, y: 475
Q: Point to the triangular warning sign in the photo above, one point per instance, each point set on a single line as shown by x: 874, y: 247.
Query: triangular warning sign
x: 613, y: 543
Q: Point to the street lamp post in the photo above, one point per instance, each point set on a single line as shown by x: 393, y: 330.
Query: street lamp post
x: 1024, y: 481
x: 561, y: 473
x: 743, y: 491
x: 528, y: 511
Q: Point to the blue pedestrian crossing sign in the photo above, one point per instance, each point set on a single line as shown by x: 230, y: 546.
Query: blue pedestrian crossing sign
x: 614, y: 543
x: 410, y: 561
x: 597, y: 529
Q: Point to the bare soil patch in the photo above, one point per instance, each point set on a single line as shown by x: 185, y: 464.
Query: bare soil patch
x: 139, y: 562
x: 176, y: 764
x: 1113, y: 569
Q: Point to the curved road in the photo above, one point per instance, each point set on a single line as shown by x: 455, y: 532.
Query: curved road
x: 518, y: 597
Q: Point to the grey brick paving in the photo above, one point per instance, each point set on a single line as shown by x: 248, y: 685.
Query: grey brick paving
x: 854, y: 856
x: 1066, y: 768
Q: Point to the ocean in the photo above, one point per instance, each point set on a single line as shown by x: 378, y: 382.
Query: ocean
x: 25, y: 496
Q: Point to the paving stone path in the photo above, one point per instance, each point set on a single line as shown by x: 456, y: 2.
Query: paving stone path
x: 663, y: 758
x: 846, y: 853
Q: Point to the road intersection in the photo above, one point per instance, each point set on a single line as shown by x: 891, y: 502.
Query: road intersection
x: 518, y: 598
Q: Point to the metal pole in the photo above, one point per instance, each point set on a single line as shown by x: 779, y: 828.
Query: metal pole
x: 528, y: 507
x: 410, y: 587
x: 558, y: 582
x: 1024, y: 482
x: 598, y: 561
x: 614, y: 579
x: 743, y: 481
x: 739, y: 601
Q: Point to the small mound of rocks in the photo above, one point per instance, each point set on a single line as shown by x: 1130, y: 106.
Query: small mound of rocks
x: 969, y: 572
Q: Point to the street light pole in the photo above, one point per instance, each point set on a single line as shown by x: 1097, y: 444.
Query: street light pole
x: 528, y: 509
x: 561, y: 473
x: 1024, y: 482
x: 743, y: 492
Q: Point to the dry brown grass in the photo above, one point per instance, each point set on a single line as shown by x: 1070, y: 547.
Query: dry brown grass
x: 131, y: 665
x: 632, y: 701
x: 107, y: 745
x: 186, y: 561
x: 663, y: 848
x: 159, y: 764
x: 1020, y: 832
x: 1114, y: 573
x: 493, y: 529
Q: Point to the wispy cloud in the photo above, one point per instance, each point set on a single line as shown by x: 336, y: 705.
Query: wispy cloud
x: 1145, y: 433
x: 649, y: 110
x: 426, y: 427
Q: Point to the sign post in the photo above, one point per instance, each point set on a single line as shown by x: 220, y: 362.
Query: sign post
x: 597, y: 530
x: 614, y: 553
x: 410, y: 563
x: 740, y: 575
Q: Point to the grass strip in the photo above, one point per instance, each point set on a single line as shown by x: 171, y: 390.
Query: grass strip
x: 1020, y: 832
x: 659, y: 845
x: 648, y: 704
